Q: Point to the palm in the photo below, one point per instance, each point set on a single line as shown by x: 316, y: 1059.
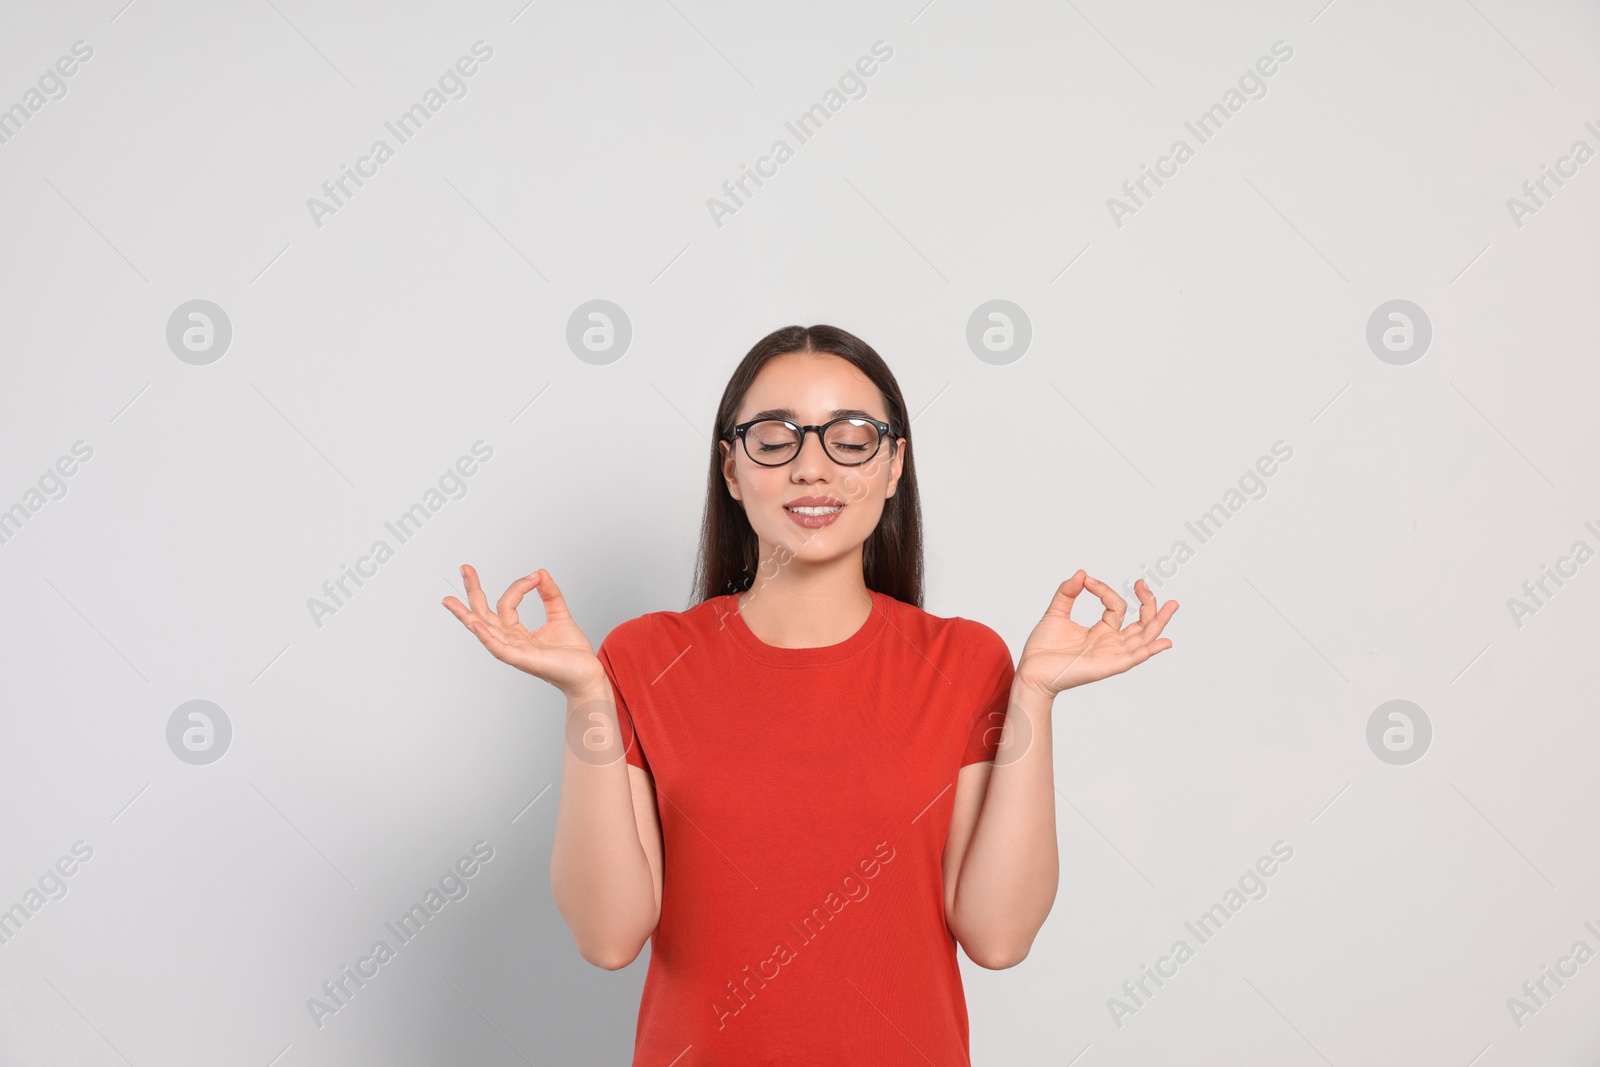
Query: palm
x: 1060, y: 653
x: 557, y: 651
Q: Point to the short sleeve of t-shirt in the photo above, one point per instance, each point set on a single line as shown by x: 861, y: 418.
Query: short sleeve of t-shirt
x: 989, y: 670
x: 617, y: 654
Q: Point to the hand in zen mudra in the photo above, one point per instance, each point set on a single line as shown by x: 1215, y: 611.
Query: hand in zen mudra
x: 557, y: 652
x: 1060, y: 653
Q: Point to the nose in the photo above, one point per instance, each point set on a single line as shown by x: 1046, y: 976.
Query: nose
x: 813, y: 462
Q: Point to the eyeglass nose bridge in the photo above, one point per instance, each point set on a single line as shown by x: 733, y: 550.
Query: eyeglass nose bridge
x: 822, y: 443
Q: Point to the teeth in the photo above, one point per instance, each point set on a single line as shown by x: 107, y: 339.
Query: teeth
x: 817, y: 511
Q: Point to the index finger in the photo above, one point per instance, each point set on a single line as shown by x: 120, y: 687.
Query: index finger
x: 506, y: 608
x: 1116, y: 607
x: 1066, y: 595
x: 1147, y: 601
x: 475, y: 597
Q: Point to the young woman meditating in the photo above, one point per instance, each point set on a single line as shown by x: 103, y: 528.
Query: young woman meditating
x: 804, y: 791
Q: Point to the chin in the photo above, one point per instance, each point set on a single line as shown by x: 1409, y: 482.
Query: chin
x: 814, y: 546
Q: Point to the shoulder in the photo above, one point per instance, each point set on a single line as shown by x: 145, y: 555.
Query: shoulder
x: 986, y: 665
x: 631, y: 632
x: 981, y: 644
x: 971, y: 641
x: 653, y: 627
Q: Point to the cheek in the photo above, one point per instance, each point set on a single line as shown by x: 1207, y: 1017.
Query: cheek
x: 869, y: 513
x: 859, y: 489
x: 764, y: 494
x: 866, y: 503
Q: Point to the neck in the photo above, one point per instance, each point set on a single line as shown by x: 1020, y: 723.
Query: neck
x: 806, y: 605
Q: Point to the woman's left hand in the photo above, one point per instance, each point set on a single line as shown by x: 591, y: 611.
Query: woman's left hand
x: 1060, y: 653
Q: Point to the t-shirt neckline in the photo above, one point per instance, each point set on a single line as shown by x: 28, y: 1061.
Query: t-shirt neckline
x: 779, y: 656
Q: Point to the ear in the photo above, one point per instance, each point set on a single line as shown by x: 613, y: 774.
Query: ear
x: 896, y: 465
x: 726, y: 448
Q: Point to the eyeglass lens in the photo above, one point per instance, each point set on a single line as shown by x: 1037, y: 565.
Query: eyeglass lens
x: 848, y: 441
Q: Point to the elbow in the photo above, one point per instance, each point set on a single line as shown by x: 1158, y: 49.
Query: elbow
x: 993, y: 945
x: 610, y: 957
x: 997, y: 956
x: 610, y: 947
x: 994, y: 949
x: 608, y: 937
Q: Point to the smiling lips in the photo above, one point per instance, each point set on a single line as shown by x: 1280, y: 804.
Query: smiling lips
x: 814, y: 512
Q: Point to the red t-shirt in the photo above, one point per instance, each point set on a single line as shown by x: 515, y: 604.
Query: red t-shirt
x: 804, y: 796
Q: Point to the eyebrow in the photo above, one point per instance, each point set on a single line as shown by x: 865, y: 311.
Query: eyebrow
x: 836, y: 413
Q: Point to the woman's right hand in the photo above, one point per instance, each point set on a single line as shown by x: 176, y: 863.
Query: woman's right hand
x: 556, y: 652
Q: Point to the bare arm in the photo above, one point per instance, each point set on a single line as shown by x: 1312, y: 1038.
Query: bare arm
x: 606, y: 860
x: 1001, y: 866
x: 605, y: 863
x: 1000, y: 860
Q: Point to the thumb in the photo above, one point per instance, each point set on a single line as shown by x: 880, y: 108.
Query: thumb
x: 1066, y: 594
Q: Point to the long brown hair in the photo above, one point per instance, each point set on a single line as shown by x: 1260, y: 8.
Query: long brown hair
x: 730, y: 551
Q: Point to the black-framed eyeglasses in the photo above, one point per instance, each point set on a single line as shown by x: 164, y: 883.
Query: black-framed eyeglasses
x: 849, y: 441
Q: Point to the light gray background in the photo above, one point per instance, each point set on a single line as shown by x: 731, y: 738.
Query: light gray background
x: 1167, y: 355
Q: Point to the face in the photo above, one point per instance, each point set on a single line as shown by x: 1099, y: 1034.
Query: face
x: 812, y: 386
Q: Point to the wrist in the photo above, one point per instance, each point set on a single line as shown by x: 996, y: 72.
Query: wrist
x: 588, y: 691
x: 1035, y: 688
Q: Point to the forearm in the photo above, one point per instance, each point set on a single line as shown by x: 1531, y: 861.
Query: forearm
x: 599, y: 875
x: 1007, y: 881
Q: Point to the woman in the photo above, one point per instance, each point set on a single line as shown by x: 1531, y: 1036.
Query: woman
x: 813, y: 789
